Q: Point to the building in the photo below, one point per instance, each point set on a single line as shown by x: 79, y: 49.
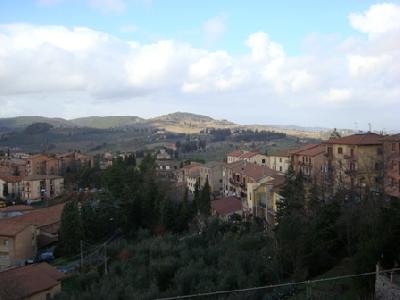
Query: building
x: 226, y: 207
x: 41, y: 164
x: 192, y: 177
x: 248, y: 156
x: 18, y: 242
x: 74, y: 160
x: 10, y: 186
x: 38, y: 187
x: 46, y: 221
x: 167, y: 168
x: 241, y: 177
x: 262, y: 198
x: 310, y: 160
x: 391, y: 152
x: 279, y: 161
x: 212, y: 172
x: 31, y: 282
x: 355, y: 162
x: 12, y: 166
x: 163, y: 154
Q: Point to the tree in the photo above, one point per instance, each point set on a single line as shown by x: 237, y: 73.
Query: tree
x: 335, y: 134
x: 71, y: 232
x: 205, y: 202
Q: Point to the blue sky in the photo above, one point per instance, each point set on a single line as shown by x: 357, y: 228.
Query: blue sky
x: 281, y: 62
x: 287, y: 22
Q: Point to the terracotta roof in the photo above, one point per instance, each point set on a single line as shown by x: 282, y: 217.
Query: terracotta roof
x: 10, y: 178
x: 236, y: 153
x: 10, y: 228
x: 226, y: 205
x: 312, y: 151
x: 28, y: 280
x: 358, y: 139
x: 393, y: 137
x: 42, y: 216
x: 16, y: 208
x: 281, y: 153
x: 249, y: 154
x: 251, y: 170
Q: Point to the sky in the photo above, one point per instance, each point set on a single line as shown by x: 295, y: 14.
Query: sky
x: 310, y: 63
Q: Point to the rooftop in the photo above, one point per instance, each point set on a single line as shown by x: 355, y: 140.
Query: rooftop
x: 11, y: 178
x: 226, y: 205
x: 311, y: 150
x: 40, y: 177
x: 40, y: 217
x: 16, y: 208
x: 368, y: 138
x: 23, y: 282
x: 251, y: 170
x: 10, y: 228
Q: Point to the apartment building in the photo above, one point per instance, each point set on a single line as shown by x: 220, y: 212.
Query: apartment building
x: 239, y: 180
x: 310, y: 160
x: 18, y: 242
x: 279, y: 161
x: 247, y: 156
x: 41, y: 164
x: 10, y: 186
x: 355, y: 162
x: 38, y: 187
x: 391, y: 151
x: 212, y: 172
x: 73, y: 160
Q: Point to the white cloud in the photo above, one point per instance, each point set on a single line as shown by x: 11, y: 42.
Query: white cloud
x: 379, y: 18
x: 106, y: 6
x: 214, y: 29
x: 67, y: 65
x: 336, y: 95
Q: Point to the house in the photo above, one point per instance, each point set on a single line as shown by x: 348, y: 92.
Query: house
x: 226, y: 207
x: 241, y: 177
x: 263, y: 196
x: 192, y: 177
x: 42, y: 164
x: 279, y: 161
x: 73, y: 160
x: 310, y: 160
x: 10, y: 186
x: 391, y: 153
x: 167, y: 168
x: 38, y: 187
x: 163, y: 154
x: 212, y: 172
x: 248, y: 156
x: 46, y: 220
x: 32, y: 282
x: 12, y: 166
x: 18, y: 242
x: 356, y: 161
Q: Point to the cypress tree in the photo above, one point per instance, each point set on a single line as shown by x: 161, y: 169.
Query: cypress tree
x: 205, y: 202
x: 71, y: 232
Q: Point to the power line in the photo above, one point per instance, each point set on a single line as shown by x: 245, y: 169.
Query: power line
x: 307, y: 283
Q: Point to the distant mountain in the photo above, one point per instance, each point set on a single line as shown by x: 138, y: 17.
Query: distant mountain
x: 107, y: 121
x: 187, y: 122
x: 178, y: 122
x: 20, y: 123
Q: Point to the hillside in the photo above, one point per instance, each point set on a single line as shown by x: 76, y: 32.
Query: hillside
x: 107, y: 121
x: 181, y: 122
x: 19, y: 123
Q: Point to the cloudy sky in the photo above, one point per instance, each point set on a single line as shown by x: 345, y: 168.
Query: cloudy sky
x: 314, y: 63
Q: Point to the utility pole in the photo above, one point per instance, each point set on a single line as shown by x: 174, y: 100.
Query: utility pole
x: 81, y: 255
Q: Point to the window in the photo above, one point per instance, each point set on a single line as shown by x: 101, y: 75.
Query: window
x: 393, y: 146
x: 280, y: 159
x: 5, y: 243
x: 280, y: 168
x: 351, y: 152
x: 263, y: 161
x: 340, y: 150
x: 379, y: 151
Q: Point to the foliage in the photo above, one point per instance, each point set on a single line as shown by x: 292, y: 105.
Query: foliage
x: 70, y: 229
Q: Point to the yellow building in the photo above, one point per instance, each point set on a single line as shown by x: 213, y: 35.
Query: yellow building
x: 37, y: 187
x: 356, y: 162
x: 17, y: 243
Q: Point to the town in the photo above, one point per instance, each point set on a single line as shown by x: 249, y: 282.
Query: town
x: 246, y: 185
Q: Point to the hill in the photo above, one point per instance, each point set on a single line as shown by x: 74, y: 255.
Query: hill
x: 107, y: 121
x: 20, y: 123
